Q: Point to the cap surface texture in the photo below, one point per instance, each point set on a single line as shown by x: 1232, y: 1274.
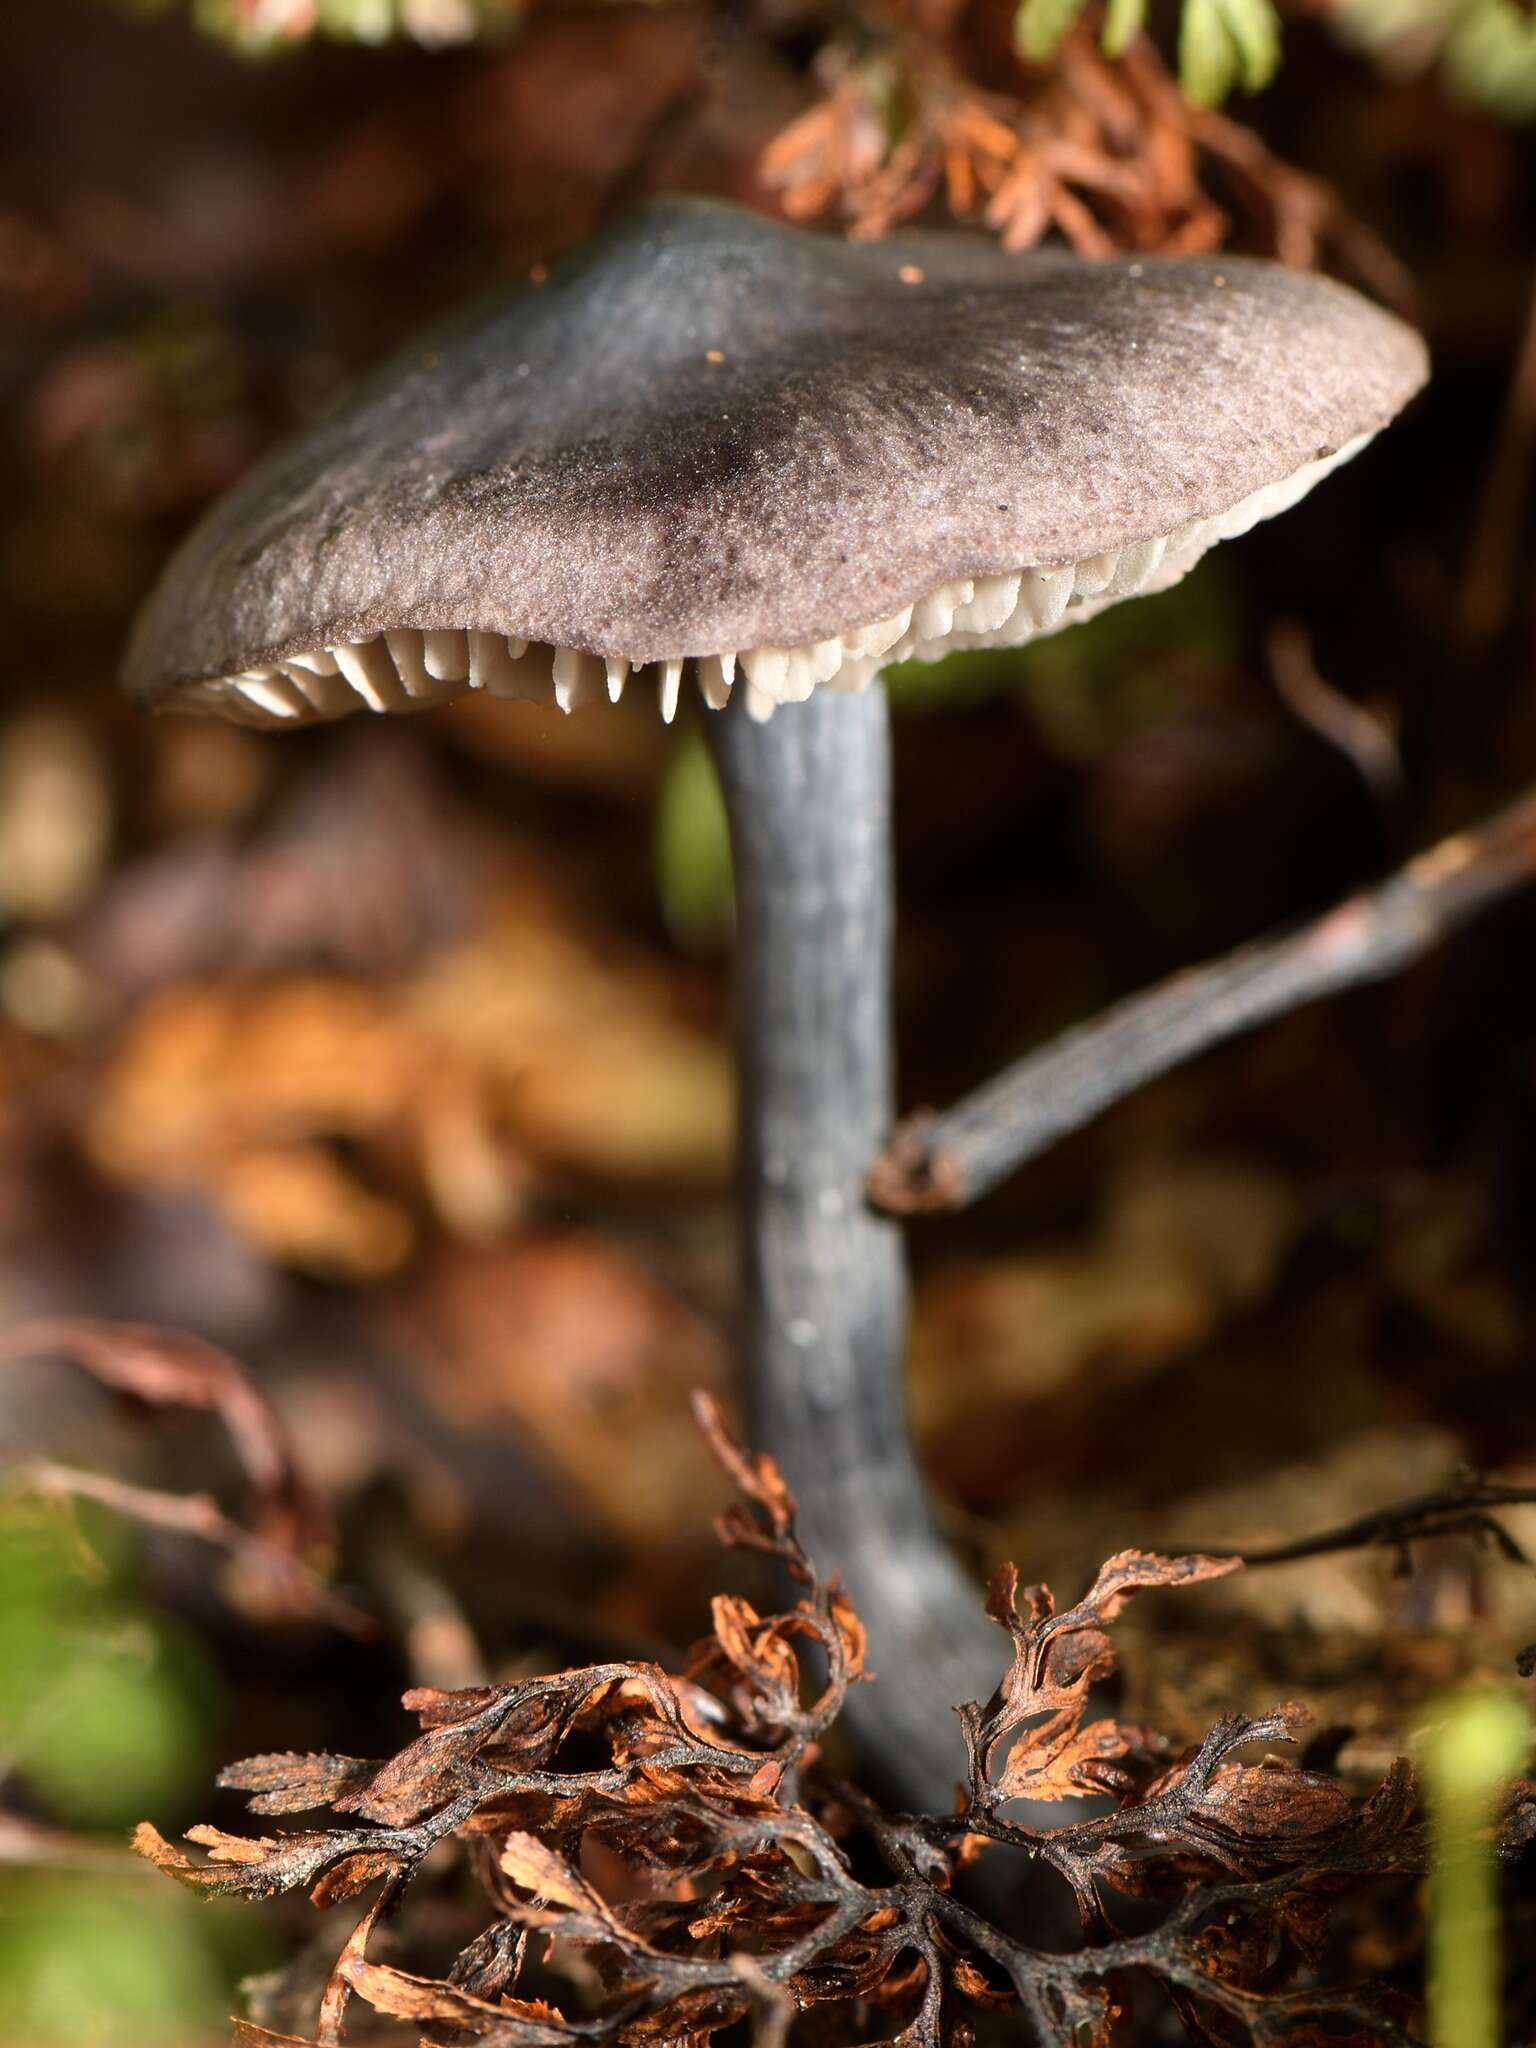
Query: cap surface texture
x: 709, y: 435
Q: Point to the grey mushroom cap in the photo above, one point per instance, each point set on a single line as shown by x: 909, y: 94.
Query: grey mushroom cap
x: 709, y: 435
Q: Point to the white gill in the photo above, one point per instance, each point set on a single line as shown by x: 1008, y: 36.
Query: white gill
x: 407, y: 670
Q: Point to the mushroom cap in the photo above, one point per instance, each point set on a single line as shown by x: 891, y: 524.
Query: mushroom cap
x: 707, y: 434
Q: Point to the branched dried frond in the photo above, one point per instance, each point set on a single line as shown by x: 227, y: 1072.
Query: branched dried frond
x: 921, y: 104
x: 742, y: 1879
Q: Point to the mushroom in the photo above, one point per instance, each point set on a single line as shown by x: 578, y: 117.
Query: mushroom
x: 711, y: 442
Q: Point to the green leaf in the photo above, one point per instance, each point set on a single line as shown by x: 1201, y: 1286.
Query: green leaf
x: 1206, y: 68
x: 1474, y: 1747
x: 1123, y: 23
x: 693, y: 848
x: 358, y: 21
x: 98, y: 1698
x: 1254, y: 28
x: 112, y: 1962
x: 1039, y: 26
x: 109, y: 1739
x: 262, y: 28
x: 1490, y: 58
x: 1226, y: 43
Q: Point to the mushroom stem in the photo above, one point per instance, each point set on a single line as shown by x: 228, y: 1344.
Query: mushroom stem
x: 823, y: 1285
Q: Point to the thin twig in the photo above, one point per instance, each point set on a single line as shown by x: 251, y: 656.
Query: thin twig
x: 30, y: 1844
x: 950, y: 1159
x: 1450, y: 1511
x: 1489, y: 576
x: 440, y: 1645
x: 199, y: 1516
x: 1358, y: 734
x: 773, y: 2007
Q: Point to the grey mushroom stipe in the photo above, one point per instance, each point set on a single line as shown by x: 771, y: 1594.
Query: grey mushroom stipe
x: 710, y: 444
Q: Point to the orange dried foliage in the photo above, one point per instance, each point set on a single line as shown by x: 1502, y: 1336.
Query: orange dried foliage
x: 322, y: 1114
x: 932, y: 106
x: 682, y: 1836
x: 586, y: 1354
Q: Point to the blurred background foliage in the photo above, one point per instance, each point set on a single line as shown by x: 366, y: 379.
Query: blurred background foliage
x: 117, y: 1717
x: 1488, y: 46
x: 107, y: 1703
x: 396, y: 1059
x: 259, y: 28
x: 1473, y: 1746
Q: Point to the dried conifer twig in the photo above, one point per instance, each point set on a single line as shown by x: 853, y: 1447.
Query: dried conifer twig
x: 950, y: 1159
x: 744, y: 1893
x: 1461, y: 1510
